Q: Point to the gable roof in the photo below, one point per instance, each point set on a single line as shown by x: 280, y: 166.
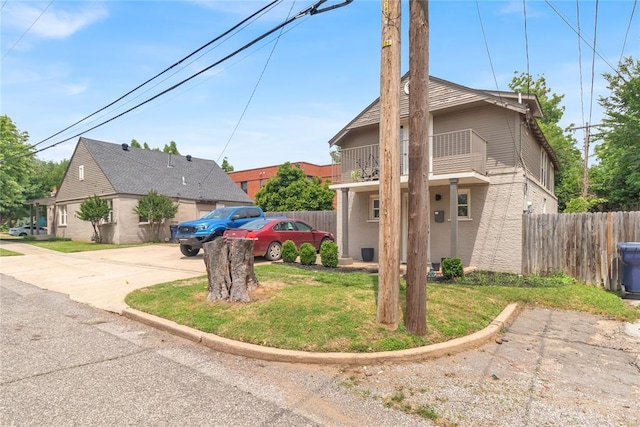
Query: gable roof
x: 444, y: 95
x: 137, y: 171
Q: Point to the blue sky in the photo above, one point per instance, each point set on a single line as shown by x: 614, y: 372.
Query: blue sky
x: 285, y: 97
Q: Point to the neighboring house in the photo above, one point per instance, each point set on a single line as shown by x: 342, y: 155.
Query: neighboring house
x: 122, y: 175
x: 486, y: 148
x: 252, y: 180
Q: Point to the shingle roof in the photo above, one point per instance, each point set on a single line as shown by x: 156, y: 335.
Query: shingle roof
x: 137, y: 171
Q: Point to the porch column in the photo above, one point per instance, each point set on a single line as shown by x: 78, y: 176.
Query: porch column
x: 453, y: 206
x: 344, y: 256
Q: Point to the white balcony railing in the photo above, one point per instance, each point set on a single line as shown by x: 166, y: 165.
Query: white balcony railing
x: 451, y: 152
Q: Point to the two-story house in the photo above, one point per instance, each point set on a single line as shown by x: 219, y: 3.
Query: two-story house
x: 485, y: 148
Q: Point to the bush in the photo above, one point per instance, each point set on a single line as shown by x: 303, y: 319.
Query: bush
x: 307, y: 254
x: 289, y: 251
x: 329, y: 254
x: 452, y: 267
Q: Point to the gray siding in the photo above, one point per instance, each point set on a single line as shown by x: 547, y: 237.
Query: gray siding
x: 494, y: 124
x: 95, y: 182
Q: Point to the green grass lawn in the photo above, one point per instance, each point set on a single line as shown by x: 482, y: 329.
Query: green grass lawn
x: 66, y: 245
x: 336, y: 311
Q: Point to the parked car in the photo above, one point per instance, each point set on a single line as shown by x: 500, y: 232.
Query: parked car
x: 26, y: 230
x: 271, y: 233
x: 193, y: 234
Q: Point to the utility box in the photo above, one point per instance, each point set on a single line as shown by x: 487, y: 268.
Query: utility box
x: 630, y: 260
x: 438, y: 216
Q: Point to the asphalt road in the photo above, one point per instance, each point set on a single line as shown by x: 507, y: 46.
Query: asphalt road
x: 68, y: 363
x: 63, y: 363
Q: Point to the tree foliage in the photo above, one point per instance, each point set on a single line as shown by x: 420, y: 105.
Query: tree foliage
x: 156, y: 208
x: 16, y: 170
x: 226, y: 166
x: 568, y: 180
x: 171, y: 148
x: 292, y: 190
x: 95, y: 210
x: 617, y: 176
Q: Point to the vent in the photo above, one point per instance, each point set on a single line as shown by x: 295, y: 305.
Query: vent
x: 125, y: 147
x: 188, y: 157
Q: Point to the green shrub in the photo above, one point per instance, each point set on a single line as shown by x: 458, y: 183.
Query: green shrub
x: 307, y: 254
x: 329, y: 254
x: 452, y: 267
x: 289, y: 251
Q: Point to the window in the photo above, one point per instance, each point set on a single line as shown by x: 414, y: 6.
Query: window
x: 374, y: 208
x: 301, y: 226
x: 243, y: 186
x: 464, y: 202
x: 544, y: 165
x: 110, y: 216
x: 81, y: 172
x: 62, y: 218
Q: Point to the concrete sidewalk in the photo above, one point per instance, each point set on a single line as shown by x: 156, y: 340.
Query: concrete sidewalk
x: 102, y: 278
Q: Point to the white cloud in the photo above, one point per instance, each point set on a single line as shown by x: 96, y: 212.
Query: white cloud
x: 55, y: 22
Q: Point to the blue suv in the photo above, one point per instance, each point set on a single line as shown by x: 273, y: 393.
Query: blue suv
x: 193, y: 234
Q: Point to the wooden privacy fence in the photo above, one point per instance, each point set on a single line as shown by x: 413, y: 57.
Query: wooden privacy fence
x: 584, y: 246
x: 321, y: 220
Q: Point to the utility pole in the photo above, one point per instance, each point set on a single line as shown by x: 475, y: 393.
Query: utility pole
x: 389, y: 236
x: 417, y: 257
x: 585, y: 166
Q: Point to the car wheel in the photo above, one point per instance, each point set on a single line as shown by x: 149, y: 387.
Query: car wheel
x: 274, y: 251
x: 189, y: 250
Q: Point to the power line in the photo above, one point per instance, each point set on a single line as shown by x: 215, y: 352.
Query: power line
x: 526, y: 44
x: 580, y: 61
x: 580, y: 35
x: 628, y: 29
x: 593, y: 60
x: 255, y: 88
x: 312, y: 10
x: 27, y: 30
x: 161, y: 73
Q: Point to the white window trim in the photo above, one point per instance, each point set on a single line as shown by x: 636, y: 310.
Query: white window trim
x: 371, y: 217
x: 468, y: 193
x: 81, y: 172
x: 544, y: 167
x: 62, y: 217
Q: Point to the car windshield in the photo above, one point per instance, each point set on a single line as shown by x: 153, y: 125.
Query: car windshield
x: 219, y: 213
x: 255, y: 225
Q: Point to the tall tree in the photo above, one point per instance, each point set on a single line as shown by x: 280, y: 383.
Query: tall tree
x: 135, y: 143
x: 47, y: 176
x: 156, y: 208
x: 617, y: 176
x: 226, y: 166
x: 16, y: 170
x: 94, y: 210
x: 568, y: 180
x: 292, y: 190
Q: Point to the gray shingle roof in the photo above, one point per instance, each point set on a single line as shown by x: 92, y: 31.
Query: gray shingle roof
x: 137, y: 171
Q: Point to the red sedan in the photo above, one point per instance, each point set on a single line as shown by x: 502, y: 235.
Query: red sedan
x: 271, y: 233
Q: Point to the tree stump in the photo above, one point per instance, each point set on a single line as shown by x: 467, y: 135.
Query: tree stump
x: 229, y: 264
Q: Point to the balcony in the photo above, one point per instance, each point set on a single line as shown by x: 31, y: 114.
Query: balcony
x: 452, y: 153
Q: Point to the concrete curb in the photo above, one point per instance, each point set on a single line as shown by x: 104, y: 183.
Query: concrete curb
x: 238, y: 348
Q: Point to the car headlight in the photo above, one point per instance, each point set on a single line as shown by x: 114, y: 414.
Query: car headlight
x: 201, y: 227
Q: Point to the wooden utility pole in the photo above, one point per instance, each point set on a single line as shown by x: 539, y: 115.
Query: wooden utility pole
x: 416, y: 313
x: 585, y: 167
x: 389, y: 236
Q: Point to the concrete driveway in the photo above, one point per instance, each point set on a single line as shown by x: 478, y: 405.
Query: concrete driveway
x: 99, y: 278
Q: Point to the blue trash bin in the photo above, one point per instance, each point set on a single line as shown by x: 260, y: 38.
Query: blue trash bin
x: 174, y: 231
x: 630, y: 260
